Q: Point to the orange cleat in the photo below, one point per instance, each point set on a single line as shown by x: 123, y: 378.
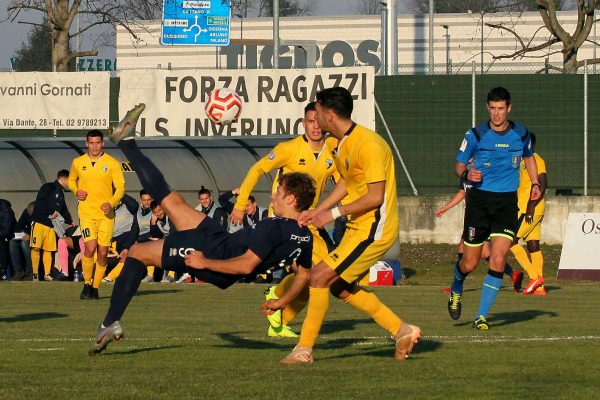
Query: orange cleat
x: 540, y: 291
x: 517, y: 280
x: 533, y: 285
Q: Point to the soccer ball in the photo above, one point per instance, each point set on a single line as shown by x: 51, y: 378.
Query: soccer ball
x: 223, y: 106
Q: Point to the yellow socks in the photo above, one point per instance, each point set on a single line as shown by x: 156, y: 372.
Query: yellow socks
x: 47, y: 260
x: 35, y: 260
x: 370, y: 304
x: 318, y: 304
x: 294, y: 307
x: 87, y: 267
x: 115, y: 272
x: 537, y: 262
x: 521, y: 255
x: 98, y: 275
x: 284, y: 285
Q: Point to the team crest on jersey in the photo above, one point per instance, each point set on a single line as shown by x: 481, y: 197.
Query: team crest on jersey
x: 329, y: 163
x: 515, y: 161
x: 302, y: 161
x: 271, y: 156
x: 471, y: 233
x: 104, y: 168
x: 84, y: 168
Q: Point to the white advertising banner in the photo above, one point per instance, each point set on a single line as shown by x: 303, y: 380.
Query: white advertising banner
x: 273, y: 100
x: 54, y: 100
x: 580, y: 256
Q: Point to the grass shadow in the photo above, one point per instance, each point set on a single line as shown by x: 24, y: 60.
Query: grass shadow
x: 142, y: 350
x: 149, y: 292
x: 236, y: 341
x: 340, y: 325
x: 515, y: 317
x: 383, y: 350
x: 33, y: 317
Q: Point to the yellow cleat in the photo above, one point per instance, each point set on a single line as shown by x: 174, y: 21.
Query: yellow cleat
x: 283, y: 331
x: 275, y: 318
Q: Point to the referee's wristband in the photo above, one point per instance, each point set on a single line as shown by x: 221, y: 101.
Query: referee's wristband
x: 464, y: 175
x: 336, y: 213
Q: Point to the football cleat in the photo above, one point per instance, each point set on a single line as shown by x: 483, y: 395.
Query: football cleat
x: 517, y: 280
x: 300, y: 355
x: 406, y: 337
x: 481, y: 324
x: 185, y: 278
x: 533, y: 285
x: 94, y: 295
x: 275, y: 318
x: 48, y: 278
x: 148, y: 279
x: 104, y: 336
x: 282, y: 331
x: 126, y: 127
x: 455, y: 305
x: 86, y: 292
x: 540, y: 291
x: 35, y: 277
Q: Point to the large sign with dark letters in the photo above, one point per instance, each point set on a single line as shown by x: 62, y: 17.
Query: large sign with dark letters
x: 273, y: 99
x: 580, y: 256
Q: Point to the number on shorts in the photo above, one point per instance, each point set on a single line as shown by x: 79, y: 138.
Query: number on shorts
x: 86, y: 233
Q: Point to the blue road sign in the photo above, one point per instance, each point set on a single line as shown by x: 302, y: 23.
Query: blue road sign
x: 196, y: 22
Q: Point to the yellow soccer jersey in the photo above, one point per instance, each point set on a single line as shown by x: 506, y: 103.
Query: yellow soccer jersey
x: 98, y: 181
x: 364, y: 157
x: 294, y: 155
x: 525, y: 186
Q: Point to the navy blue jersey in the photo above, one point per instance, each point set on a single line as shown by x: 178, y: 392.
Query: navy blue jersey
x: 276, y: 241
x: 497, y: 154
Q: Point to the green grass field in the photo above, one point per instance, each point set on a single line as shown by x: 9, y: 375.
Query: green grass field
x: 197, y: 342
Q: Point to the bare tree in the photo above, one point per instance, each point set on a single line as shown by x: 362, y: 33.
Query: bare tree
x: 571, y: 42
x: 367, y: 7
x: 62, y: 14
x: 287, y: 8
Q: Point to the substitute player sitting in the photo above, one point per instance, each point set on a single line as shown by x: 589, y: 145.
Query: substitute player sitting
x: 200, y: 243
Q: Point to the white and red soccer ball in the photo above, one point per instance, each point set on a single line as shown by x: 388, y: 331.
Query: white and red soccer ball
x: 223, y: 106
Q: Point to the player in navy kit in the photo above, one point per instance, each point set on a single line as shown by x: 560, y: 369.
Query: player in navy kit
x: 201, y: 246
x: 496, y: 148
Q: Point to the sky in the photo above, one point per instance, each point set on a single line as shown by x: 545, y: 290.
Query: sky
x: 13, y: 34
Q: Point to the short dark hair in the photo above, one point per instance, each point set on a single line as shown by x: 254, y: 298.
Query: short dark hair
x: 252, y: 199
x: 302, y: 186
x: 63, y: 173
x: 143, y: 192
x: 153, y: 205
x: 312, y: 106
x: 94, y: 133
x: 338, y: 99
x: 498, y: 94
x: 204, y: 190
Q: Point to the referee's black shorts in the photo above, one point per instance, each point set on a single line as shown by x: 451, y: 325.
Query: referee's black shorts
x: 490, y: 214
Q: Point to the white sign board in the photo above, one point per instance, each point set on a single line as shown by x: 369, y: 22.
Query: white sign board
x: 274, y: 100
x: 54, y: 100
x: 580, y: 256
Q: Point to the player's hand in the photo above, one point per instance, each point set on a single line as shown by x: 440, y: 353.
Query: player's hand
x: 106, y: 208
x: 536, y: 193
x: 270, y: 306
x: 123, y: 254
x: 305, y: 217
x: 321, y: 218
x: 25, y: 237
x: 474, y: 174
x: 439, y: 212
x: 236, y: 191
x: 237, y: 216
x: 195, y: 260
x: 54, y: 215
x: 81, y: 195
x: 529, y: 212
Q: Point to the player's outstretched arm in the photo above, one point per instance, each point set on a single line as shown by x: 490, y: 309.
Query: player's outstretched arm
x: 241, y: 265
x: 458, y: 197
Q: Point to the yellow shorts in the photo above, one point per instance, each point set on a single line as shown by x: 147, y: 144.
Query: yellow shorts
x: 531, y: 231
x: 355, y: 255
x: 97, y: 229
x: 320, y: 250
x: 42, y: 237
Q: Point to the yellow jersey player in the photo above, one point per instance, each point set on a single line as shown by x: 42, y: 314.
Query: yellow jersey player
x: 366, y: 166
x: 97, y: 181
x: 310, y: 153
x: 531, y: 214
